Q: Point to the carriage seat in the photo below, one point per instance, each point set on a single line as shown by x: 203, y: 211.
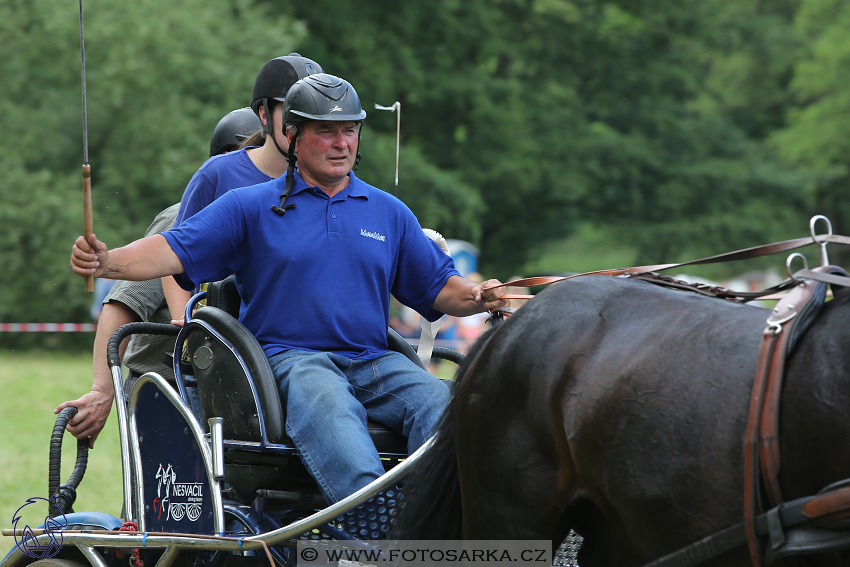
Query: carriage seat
x: 228, y: 384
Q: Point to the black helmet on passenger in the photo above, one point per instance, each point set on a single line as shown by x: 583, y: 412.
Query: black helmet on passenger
x: 278, y: 75
x: 235, y: 127
x: 274, y: 81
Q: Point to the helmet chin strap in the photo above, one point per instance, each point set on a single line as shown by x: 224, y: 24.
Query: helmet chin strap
x: 358, y: 157
x: 290, y: 179
x: 269, y: 128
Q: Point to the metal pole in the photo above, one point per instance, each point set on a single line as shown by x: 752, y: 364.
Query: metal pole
x: 395, y: 108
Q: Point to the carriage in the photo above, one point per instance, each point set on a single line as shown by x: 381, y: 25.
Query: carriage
x: 229, y: 489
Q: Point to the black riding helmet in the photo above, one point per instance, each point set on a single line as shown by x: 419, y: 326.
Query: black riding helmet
x: 233, y: 129
x: 320, y: 97
x: 274, y: 81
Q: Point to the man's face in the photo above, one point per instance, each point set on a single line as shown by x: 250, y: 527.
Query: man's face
x: 326, y: 151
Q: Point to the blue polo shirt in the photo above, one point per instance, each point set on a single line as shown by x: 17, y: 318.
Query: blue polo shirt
x: 217, y: 176
x: 318, y: 278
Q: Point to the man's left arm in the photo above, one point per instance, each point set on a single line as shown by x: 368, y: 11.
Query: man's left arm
x: 461, y: 297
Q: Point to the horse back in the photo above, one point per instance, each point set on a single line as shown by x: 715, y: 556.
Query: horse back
x: 616, y: 395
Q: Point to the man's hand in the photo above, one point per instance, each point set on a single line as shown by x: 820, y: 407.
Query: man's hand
x: 89, y: 257
x: 92, y: 411
x: 490, y: 298
x: 461, y: 297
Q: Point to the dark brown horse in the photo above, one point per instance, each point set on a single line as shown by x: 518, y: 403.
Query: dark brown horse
x: 618, y: 408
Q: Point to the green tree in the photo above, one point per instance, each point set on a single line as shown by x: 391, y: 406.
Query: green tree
x: 160, y: 74
x: 816, y: 138
x: 679, y: 127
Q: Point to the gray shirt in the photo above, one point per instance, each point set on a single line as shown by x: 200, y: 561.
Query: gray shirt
x: 145, y: 352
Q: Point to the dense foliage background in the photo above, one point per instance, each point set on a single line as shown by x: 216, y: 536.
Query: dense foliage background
x: 553, y: 134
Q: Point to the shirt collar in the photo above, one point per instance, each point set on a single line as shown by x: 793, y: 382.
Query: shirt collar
x: 355, y: 188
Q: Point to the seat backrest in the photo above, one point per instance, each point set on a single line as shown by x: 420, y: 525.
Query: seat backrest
x: 224, y: 295
x: 224, y: 386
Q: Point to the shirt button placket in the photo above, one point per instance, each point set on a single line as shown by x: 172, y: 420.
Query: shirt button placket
x: 334, y: 228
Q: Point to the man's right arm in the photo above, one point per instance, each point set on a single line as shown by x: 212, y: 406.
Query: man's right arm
x: 144, y: 259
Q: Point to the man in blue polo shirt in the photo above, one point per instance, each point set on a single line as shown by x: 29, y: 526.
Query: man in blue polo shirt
x: 317, y: 254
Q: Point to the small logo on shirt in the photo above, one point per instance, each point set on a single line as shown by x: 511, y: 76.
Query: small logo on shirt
x: 375, y: 235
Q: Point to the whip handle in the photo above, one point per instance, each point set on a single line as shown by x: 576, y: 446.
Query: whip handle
x: 88, y: 223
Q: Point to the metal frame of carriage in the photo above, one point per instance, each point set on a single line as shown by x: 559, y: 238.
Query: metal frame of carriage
x: 214, y: 522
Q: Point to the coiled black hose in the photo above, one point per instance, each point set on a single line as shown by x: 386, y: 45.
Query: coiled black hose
x: 66, y: 493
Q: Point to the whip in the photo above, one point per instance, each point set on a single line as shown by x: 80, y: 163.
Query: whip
x: 87, y: 206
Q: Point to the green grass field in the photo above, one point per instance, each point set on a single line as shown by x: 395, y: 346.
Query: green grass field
x: 31, y: 386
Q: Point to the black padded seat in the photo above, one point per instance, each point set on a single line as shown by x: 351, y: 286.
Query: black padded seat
x: 224, y: 295
x: 224, y: 387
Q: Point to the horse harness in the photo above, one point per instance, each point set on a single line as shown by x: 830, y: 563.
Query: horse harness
x: 807, y: 525
x: 791, y: 317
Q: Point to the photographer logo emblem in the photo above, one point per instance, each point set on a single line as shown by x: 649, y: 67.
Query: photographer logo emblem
x: 26, y: 538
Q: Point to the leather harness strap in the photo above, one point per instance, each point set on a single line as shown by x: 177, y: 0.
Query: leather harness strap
x: 761, y: 445
x: 761, y: 453
x: 752, y: 506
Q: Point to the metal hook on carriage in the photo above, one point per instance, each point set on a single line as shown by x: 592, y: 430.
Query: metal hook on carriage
x: 790, y: 260
x: 824, y: 258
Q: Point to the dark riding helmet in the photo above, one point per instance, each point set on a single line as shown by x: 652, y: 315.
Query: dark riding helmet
x: 233, y: 129
x: 322, y: 97
x: 273, y: 82
x: 278, y: 75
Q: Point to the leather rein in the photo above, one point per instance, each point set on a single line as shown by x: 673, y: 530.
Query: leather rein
x: 791, y: 316
x: 635, y: 271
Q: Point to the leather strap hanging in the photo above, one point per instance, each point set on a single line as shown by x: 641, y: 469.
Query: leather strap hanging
x: 788, y: 320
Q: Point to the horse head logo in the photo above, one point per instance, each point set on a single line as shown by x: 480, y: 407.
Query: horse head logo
x: 165, y: 480
x: 28, y: 541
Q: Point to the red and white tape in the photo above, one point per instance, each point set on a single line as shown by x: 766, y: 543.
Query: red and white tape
x: 47, y: 327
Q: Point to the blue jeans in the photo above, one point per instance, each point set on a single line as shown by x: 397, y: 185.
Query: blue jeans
x: 328, y: 398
